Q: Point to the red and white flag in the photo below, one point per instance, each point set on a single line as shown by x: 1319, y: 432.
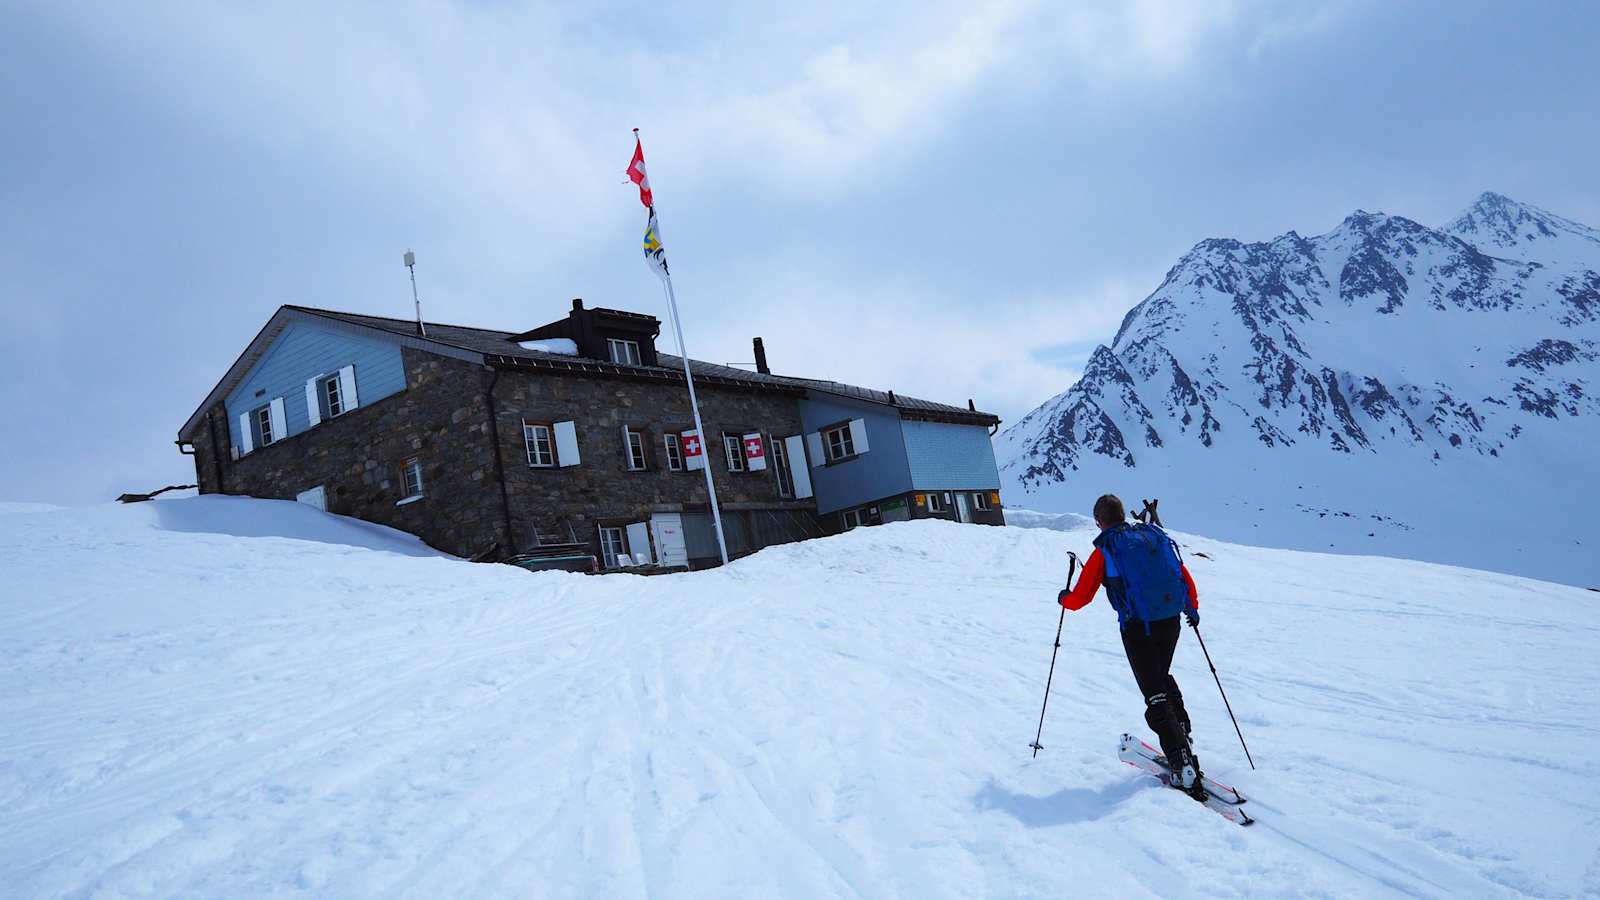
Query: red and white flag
x: 636, y: 174
x: 694, y: 451
x: 755, y: 452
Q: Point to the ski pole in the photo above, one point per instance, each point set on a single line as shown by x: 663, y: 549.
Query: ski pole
x: 1224, y: 695
x: 1072, y: 568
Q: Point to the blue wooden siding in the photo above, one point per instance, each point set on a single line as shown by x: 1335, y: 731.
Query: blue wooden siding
x: 947, y: 457
x: 304, y: 350
x: 880, y: 472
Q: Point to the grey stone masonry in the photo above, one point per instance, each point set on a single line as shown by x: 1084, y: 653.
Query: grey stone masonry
x: 602, y: 490
x: 443, y: 419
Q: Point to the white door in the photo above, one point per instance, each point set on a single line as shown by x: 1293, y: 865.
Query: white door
x: 639, y: 543
x: 671, y: 548
x: 963, y: 514
x: 314, y: 497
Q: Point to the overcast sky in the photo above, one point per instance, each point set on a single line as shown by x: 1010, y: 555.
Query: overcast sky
x: 949, y: 200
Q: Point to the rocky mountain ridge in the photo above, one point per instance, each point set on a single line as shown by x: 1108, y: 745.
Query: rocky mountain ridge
x: 1384, y: 346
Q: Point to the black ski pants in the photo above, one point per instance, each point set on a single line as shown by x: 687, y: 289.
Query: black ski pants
x: 1150, y: 656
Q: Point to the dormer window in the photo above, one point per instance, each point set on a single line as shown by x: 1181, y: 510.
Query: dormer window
x: 624, y: 353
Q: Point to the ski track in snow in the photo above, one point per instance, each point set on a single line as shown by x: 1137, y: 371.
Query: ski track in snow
x: 201, y: 714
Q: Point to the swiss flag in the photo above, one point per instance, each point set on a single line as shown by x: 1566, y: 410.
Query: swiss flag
x: 755, y: 452
x: 691, y: 444
x: 636, y: 174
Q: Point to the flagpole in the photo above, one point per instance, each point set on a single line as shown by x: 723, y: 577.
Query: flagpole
x: 694, y: 403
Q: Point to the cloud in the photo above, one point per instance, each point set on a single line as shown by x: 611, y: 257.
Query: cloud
x: 902, y: 332
x: 499, y: 105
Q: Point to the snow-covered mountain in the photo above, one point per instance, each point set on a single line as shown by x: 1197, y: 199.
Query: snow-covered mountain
x: 223, y: 697
x: 1385, y: 387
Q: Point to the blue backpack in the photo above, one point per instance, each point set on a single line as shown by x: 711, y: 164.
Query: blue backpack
x: 1147, y: 564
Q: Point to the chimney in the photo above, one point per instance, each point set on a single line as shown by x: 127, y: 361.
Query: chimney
x: 761, y: 358
x: 577, y: 304
x: 972, y: 406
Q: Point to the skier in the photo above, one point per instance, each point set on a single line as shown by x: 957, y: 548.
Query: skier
x: 1148, y: 584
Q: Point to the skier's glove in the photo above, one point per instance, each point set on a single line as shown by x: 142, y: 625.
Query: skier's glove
x: 1193, y: 615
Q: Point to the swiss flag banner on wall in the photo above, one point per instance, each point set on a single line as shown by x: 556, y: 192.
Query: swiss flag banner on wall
x: 755, y: 452
x: 694, y: 450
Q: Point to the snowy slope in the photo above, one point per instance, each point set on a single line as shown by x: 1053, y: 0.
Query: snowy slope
x: 192, y: 713
x: 1382, y: 388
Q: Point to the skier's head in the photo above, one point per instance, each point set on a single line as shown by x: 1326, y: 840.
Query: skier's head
x: 1108, y: 511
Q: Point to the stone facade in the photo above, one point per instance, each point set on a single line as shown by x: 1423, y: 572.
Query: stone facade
x: 444, y: 419
x: 441, y: 418
x: 604, y: 491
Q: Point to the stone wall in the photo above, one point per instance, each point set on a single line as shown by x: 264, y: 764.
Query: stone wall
x: 441, y: 418
x: 602, y: 490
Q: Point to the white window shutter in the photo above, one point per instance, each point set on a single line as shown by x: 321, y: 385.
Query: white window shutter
x: 858, y: 435
x: 347, y: 388
x: 279, y: 429
x: 639, y: 543
x: 798, y: 470
x: 245, y: 440
x: 627, y: 450
x: 567, y: 444
x: 313, y: 409
x: 758, y: 461
x: 814, y: 444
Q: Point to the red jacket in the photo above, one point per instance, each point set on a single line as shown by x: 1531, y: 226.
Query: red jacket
x: 1094, y: 572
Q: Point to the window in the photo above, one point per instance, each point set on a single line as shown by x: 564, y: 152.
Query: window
x: 733, y: 444
x: 674, y: 452
x: 328, y: 393
x: 613, y: 543
x: 852, y: 518
x: 780, y: 464
x: 411, y: 474
x: 262, y: 420
x: 635, y: 449
x: 840, y: 444
x: 623, y: 352
x: 935, y: 503
x: 981, y: 501
x: 541, y: 453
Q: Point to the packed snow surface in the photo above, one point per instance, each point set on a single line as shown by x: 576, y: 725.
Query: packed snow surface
x: 235, y: 698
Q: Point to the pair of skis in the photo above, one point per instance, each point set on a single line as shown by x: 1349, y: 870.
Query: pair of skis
x: 1220, y: 798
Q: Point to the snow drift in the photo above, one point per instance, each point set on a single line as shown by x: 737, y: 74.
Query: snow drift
x: 240, y: 698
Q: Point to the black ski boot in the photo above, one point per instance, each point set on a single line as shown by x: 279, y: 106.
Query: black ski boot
x: 1186, y: 775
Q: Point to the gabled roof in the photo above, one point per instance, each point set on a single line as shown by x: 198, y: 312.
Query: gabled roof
x: 487, y: 346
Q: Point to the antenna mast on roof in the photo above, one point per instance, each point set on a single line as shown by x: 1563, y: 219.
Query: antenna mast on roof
x: 411, y: 263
